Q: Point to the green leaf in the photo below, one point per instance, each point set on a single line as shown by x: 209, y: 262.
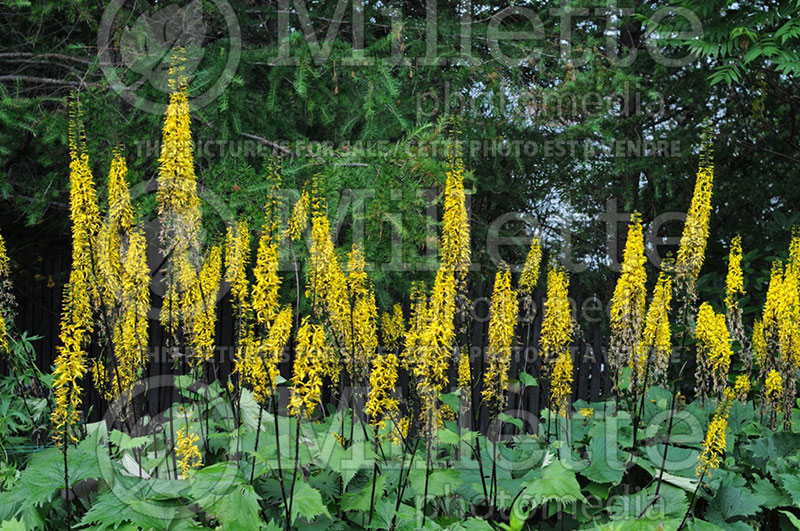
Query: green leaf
x: 792, y: 518
x: 123, y: 441
x: 556, y: 483
x: 528, y: 380
x: 12, y: 525
x: 730, y: 502
x: 605, y: 463
x: 361, y: 500
x: 347, y: 462
x: 511, y: 420
x: 307, y: 502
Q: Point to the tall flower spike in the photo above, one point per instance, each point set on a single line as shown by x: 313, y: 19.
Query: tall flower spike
x: 503, y: 317
x: 76, y: 318
x: 381, y: 404
x: 186, y: 449
x: 201, y: 303
x: 713, y: 351
x: 656, y: 346
x: 692, y: 249
x: 734, y: 282
x: 557, y: 322
x: 178, y: 202
x: 628, y: 302
x: 237, y: 256
x: 456, y: 254
x: 393, y: 328
x: 561, y: 383
x: 5, y: 310
x: 530, y: 272
x: 299, y: 218
x: 714, y: 442
x: 307, y: 377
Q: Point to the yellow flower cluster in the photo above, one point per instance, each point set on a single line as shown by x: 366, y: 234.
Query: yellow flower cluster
x: 114, y: 231
x: 178, y: 204
x: 381, y: 404
x: 393, y: 328
x: 655, y: 348
x: 312, y: 351
x: 200, y: 306
x: 400, y: 431
x: 586, y: 412
x: 188, y: 453
x: 773, y: 387
x: 557, y: 324
x: 4, y: 272
x: 692, y: 249
x: 456, y: 254
x: 759, y: 344
x: 714, y: 443
x: 265, y: 292
x: 258, y: 359
x: 464, y: 373
x: 742, y: 387
x: 734, y: 282
x: 76, y: 319
x: 561, y: 383
x: 299, y: 218
x: 237, y: 257
x: 530, y: 271
x: 628, y: 302
x: 713, y: 350
x: 503, y: 318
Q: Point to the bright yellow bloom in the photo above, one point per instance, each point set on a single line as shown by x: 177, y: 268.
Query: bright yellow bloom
x: 299, y: 218
x: 713, y: 350
x: 381, y: 404
x: 356, y: 276
x: 628, y: 302
x: 503, y: 317
x: 456, y: 254
x: 773, y: 386
x: 530, y: 272
x: 742, y: 387
x: 186, y: 449
x: 557, y: 324
x: 657, y: 339
x: 76, y: 318
x: 692, y: 249
x: 400, y: 431
x: 464, y: 372
x: 178, y: 201
x: 265, y: 292
x: 393, y: 328
x: 714, y: 442
x: 561, y: 383
x: 4, y: 273
x: 312, y: 347
x: 734, y: 282
x: 586, y: 412
x: 237, y: 256
x: 200, y: 306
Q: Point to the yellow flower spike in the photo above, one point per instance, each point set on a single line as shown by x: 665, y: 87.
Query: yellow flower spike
x: 503, y: 318
x: 628, y: 302
x: 773, y: 387
x: 186, y: 449
x: 265, y: 292
x: 393, y: 328
x: 307, y: 375
x: 530, y: 271
x: 299, y: 218
x: 734, y: 281
x: 237, y: 257
x: 742, y: 387
x: 692, y: 249
x: 561, y: 383
x: 464, y: 372
x: 4, y: 272
x: 713, y: 351
x: 381, y: 404
x: 656, y: 344
x: 76, y: 318
x: 456, y: 253
x: 557, y: 323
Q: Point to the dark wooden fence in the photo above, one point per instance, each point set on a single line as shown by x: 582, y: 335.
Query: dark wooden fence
x: 38, y: 289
